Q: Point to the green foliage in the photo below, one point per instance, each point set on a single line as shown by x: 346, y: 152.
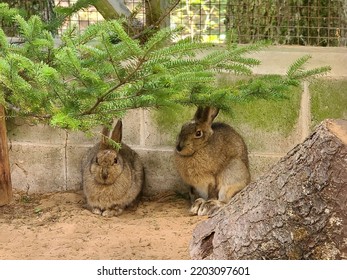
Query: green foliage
x: 7, y: 13
x: 87, y: 79
x: 300, y: 22
x: 297, y: 71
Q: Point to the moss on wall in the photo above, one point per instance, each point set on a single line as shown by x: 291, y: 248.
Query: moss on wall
x: 170, y: 120
x: 268, y: 114
x: 329, y: 99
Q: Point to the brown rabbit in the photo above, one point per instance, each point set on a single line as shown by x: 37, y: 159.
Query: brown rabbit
x: 112, y: 179
x: 212, y: 159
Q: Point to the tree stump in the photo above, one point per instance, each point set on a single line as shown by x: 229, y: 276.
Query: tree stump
x: 298, y: 210
x: 5, y: 172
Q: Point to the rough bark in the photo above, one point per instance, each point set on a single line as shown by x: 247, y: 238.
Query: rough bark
x: 153, y: 11
x: 296, y: 211
x: 5, y: 173
x: 112, y: 9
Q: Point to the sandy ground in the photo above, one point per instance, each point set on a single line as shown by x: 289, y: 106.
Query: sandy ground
x: 56, y: 226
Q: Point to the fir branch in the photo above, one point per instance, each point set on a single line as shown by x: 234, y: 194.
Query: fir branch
x: 182, y: 47
x: 236, y: 50
x: 159, y: 37
x: 93, y: 79
x: 236, y: 68
x: 110, y: 57
x: 251, y: 62
x: 101, y: 99
x: 183, y: 65
x: 193, y: 77
x: 215, y: 57
x: 7, y: 14
x: 23, y: 26
x: 3, y: 42
x: 297, y: 66
x: 131, y: 44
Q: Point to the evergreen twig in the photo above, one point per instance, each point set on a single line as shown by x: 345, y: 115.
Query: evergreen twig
x: 88, y: 80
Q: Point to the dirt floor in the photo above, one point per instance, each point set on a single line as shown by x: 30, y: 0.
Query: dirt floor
x: 56, y: 226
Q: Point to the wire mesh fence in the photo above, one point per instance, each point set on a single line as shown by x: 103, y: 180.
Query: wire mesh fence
x: 203, y: 18
x: 297, y: 22
x: 300, y: 22
x: 90, y: 15
x: 82, y: 19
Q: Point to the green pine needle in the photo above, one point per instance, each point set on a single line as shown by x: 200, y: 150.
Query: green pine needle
x: 91, y: 78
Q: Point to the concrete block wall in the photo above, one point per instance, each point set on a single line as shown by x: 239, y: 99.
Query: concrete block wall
x: 44, y: 159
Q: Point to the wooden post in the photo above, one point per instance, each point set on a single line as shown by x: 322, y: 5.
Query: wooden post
x: 5, y: 172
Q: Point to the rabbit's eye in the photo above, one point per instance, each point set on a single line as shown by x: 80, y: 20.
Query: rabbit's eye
x: 198, y: 134
x: 96, y: 160
x: 115, y: 161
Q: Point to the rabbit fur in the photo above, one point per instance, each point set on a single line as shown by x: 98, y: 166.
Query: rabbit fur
x: 112, y: 179
x: 212, y: 159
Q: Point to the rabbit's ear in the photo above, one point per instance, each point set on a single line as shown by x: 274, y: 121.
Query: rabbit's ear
x: 199, y: 114
x: 117, y: 132
x: 104, y: 135
x: 212, y: 113
x: 206, y: 115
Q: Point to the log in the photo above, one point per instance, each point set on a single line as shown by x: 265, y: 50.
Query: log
x: 5, y: 172
x: 298, y: 210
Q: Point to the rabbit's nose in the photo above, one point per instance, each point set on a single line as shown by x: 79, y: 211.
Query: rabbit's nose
x: 104, y: 174
x: 179, y: 147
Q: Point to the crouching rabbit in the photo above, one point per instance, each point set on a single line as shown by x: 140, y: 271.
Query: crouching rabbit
x: 112, y: 178
x: 212, y: 159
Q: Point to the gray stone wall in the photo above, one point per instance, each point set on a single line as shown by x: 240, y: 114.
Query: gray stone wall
x: 44, y: 159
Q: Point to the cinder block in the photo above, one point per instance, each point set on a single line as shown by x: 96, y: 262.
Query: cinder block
x: 74, y: 155
x: 77, y: 138
x: 21, y: 131
x: 161, y: 174
x: 166, y: 136
x: 130, y: 135
x: 36, y: 168
x: 131, y: 131
x: 133, y: 127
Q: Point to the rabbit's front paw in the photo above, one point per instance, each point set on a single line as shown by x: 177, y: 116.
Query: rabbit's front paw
x: 96, y: 211
x: 202, y: 207
x: 116, y: 211
x: 196, y: 206
x: 210, y: 207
